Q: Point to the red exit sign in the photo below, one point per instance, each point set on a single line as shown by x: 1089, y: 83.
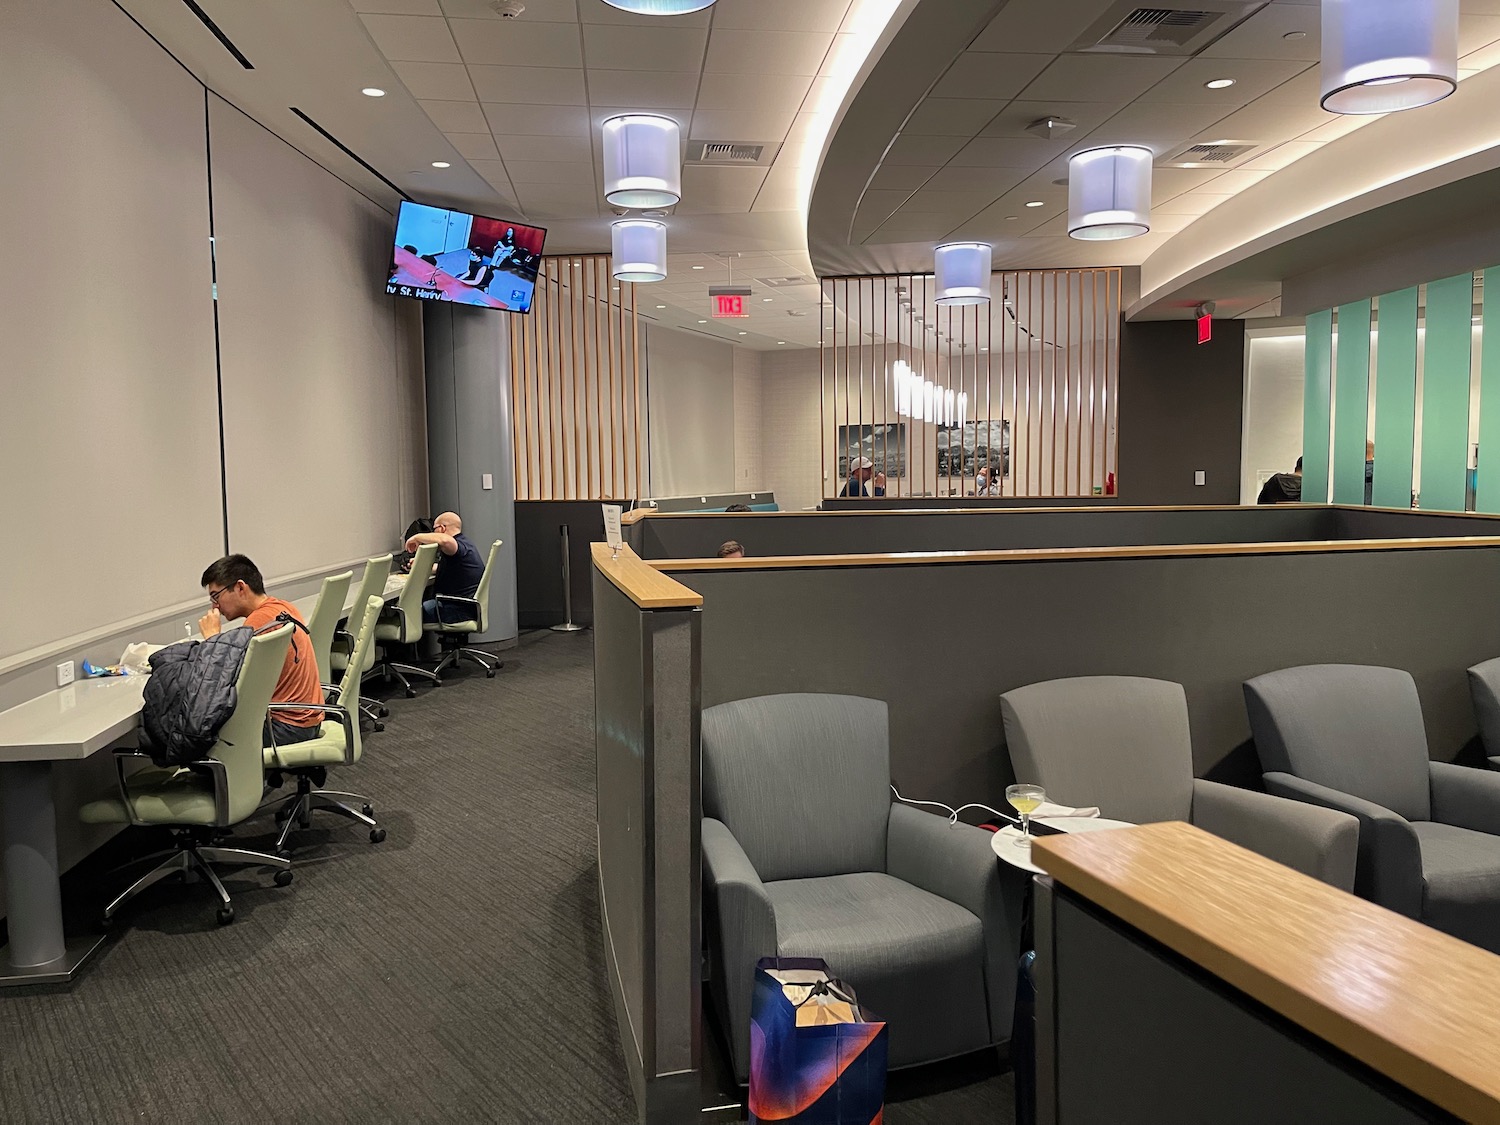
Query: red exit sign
x: 1205, y: 329
x: 725, y: 305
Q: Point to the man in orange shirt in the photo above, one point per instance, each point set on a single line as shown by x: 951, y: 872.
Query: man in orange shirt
x: 236, y: 589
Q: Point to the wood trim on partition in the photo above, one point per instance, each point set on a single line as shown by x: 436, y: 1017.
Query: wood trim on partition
x: 646, y: 586
x: 643, y: 513
x: 1055, y: 554
x: 1414, y: 1004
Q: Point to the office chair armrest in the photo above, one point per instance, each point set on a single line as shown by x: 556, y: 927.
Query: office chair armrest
x: 1320, y: 842
x: 455, y: 598
x: 1389, y: 870
x: 744, y: 919
x: 1465, y: 797
x: 328, y: 709
x: 956, y: 862
x: 344, y: 640
x: 123, y: 755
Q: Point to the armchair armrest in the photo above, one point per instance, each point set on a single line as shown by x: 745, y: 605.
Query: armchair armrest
x: 746, y: 928
x: 1389, y: 871
x: 343, y: 714
x: 956, y: 862
x: 1465, y: 797
x: 1320, y: 842
x: 455, y: 598
x: 211, y: 766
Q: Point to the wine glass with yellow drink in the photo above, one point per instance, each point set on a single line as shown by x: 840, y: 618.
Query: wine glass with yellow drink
x: 1025, y: 799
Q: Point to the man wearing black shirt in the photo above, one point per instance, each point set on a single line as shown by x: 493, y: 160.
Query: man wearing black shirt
x: 459, y: 567
x: 861, y: 470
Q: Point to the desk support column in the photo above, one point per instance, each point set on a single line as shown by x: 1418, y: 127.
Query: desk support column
x: 33, y: 900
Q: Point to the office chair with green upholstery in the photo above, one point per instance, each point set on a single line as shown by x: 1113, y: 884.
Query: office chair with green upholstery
x: 324, y: 620
x: 199, y: 801
x: 372, y: 585
x: 476, y: 619
x: 401, y: 624
x: 338, y: 744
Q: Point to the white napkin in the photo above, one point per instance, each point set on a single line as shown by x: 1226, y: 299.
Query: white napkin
x: 1049, y: 809
x: 137, y: 658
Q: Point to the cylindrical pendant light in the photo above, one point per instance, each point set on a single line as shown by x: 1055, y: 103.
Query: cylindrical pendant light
x: 1380, y: 56
x: 642, y: 161
x: 640, y: 250
x: 1109, y: 193
x: 660, y: 7
x: 963, y: 273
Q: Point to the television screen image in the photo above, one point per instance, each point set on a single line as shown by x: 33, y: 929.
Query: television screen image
x: 443, y: 255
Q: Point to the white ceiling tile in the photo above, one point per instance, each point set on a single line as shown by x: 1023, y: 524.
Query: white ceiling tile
x: 398, y: 7
x: 1168, y: 183
x: 435, y: 81
x: 477, y: 146
x: 959, y: 178
x: 1013, y: 119
x: 739, y: 125
x: 1038, y: 26
x: 531, y: 85
x: 1301, y: 90
x: 877, y: 205
x: 780, y: 15
x: 1267, y: 121
x: 1170, y: 224
x: 952, y: 117
x: 1336, y: 125
x: 597, y: 11
x: 766, y: 52
x: 902, y: 177
x: 566, y: 149
x: 1282, y: 155
x: 537, y: 120
x: 537, y: 11
x: 457, y: 117
x: 549, y: 172
x: 517, y: 43
x: 494, y: 173
x: 1192, y: 203
x: 412, y: 38
x: 655, y: 48
x: 977, y: 74
x: 1099, y: 77
x: 643, y: 89
x: 963, y: 203
x: 1263, y: 35
x: 1159, y: 127
x: 1008, y: 152
x: 710, y: 190
x: 1476, y: 31
x: 1236, y: 181
x: 922, y: 151
x: 1252, y: 78
x: 742, y: 91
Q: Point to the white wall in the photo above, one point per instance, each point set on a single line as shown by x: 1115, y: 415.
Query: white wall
x: 1274, y: 376
x: 690, y: 413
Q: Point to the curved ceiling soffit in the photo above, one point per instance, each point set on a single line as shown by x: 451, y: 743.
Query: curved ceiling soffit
x: 921, y: 42
x: 1267, y: 232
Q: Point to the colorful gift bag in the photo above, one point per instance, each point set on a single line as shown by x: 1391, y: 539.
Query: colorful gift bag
x: 816, y: 1057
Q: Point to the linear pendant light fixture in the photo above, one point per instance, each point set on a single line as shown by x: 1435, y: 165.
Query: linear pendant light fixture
x: 963, y: 273
x: 1109, y: 193
x: 639, y: 250
x: 660, y: 7
x: 642, y: 161
x: 1380, y: 56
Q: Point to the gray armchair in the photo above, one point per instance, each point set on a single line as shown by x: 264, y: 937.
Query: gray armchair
x: 1122, y: 743
x: 1350, y: 737
x: 1484, y: 690
x: 804, y: 855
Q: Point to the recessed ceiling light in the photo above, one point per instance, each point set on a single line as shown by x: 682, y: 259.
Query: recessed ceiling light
x: 661, y: 306
x: 441, y: 164
x: 766, y: 300
x: 781, y: 341
x: 742, y: 333
x: 703, y: 322
x: 1011, y: 218
x: 1219, y: 84
x: 697, y: 267
x: 373, y: 92
x: 1036, y: 203
x: 1295, y: 35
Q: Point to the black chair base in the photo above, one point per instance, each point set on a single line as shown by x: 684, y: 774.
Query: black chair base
x: 193, y: 852
x: 296, y: 809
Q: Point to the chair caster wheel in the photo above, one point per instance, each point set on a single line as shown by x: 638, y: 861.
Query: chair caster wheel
x: 283, y: 853
x: 367, y: 808
x: 377, y: 835
x: 385, y: 712
x: 379, y: 727
x: 105, y: 925
x: 283, y: 878
x: 411, y: 693
x: 490, y: 674
x: 226, y: 915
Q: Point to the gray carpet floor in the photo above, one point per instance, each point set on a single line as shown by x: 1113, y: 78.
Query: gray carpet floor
x: 450, y: 974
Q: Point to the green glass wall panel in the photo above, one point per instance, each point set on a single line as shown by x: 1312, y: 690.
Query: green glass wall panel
x: 1487, y: 498
x: 1317, y: 407
x: 1395, y: 399
x: 1351, y: 397
x: 1445, y: 394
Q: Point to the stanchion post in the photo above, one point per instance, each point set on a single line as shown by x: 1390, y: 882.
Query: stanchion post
x: 567, y: 577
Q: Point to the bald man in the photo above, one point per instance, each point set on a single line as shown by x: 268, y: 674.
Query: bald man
x: 459, y: 567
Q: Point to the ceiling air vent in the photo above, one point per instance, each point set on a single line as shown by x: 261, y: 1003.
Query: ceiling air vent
x: 786, y: 282
x: 1210, y: 154
x: 742, y: 154
x: 1130, y: 29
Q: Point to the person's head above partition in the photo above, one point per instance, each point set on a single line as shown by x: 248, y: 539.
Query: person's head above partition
x: 738, y: 508
x: 731, y: 549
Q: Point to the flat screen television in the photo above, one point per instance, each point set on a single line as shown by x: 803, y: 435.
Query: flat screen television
x: 442, y: 255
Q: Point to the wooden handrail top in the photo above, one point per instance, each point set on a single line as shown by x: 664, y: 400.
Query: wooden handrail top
x: 1042, y: 554
x: 646, y: 586
x: 1417, y: 1005
x: 639, y: 514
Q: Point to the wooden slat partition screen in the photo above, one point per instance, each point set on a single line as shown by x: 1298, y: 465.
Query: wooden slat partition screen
x: 1027, y: 385
x: 577, y: 386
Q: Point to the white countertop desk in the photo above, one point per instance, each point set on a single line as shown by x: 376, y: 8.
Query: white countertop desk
x: 65, y: 725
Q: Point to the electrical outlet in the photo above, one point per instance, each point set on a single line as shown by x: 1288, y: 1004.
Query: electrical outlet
x: 1200, y: 477
x: 488, y: 481
x: 65, y: 673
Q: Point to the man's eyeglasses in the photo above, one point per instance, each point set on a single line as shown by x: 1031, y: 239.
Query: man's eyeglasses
x: 214, y: 595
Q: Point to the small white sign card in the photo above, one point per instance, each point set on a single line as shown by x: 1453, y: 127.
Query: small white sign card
x: 612, y: 528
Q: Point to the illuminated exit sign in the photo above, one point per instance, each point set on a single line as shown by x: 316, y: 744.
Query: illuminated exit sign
x: 727, y: 300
